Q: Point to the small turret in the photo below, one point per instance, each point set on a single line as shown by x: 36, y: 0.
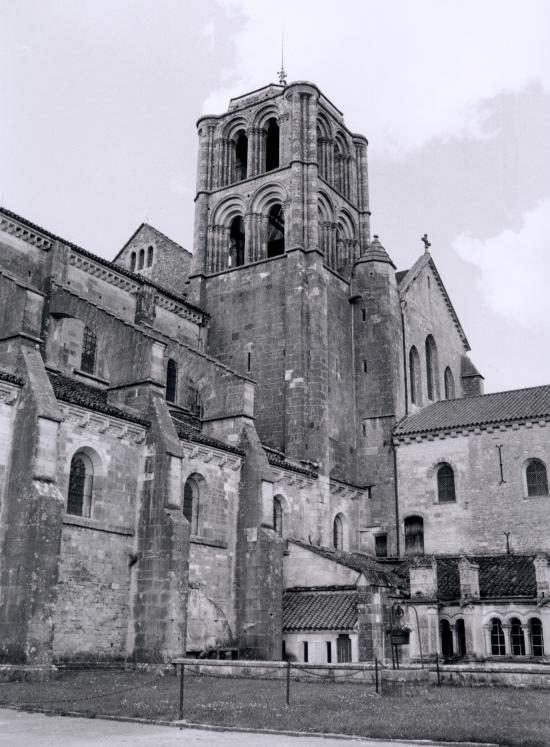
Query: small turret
x: 376, y: 253
x: 472, y: 380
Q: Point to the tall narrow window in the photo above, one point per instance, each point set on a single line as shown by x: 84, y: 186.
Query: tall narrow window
x: 381, y: 545
x: 460, y: 637
x: 191, y: 503
x: 432, y: 374
x: 171, y: 380
x: 89, y: 349
x: 446, y: 638
x: 497, y: 638
x: 414, y: 535
x: 149, y: 256
x: 343, y: 648
x: 338, y: 532
x: 79, y: 500
x: 236, y: 242
x: 278, y: 516
x: 272, y: 145
x: 446, y: 484
x: 517, y: 638
x: 141, y: 259
x: 241, y: 157
x: 275, y: 231
x: 132, y: 261
x: 414, y: 376
x: 537, y: 479
x: 449, y: 384
x: 306, y: 651
x: 329, y: 652
x: 536, y: 639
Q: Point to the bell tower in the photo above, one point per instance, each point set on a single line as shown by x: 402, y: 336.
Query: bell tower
x: 282, y: 215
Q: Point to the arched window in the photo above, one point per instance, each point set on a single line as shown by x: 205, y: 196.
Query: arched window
x: 460, y: 637
x: 272, y: 145
x: 446, y: 638
x: 432, y: 372
x: 537, y: 479
x: 141, y: 259
x: 338, y: 532
x: 536, y: 638
x: 89, y: 349
x: 497, y: 638
x: 278, y: 516
x: 414, y: 535
x: 132, y: 262
x: 236, y: 242
x: 414, y: 375
x: 171, y: 380
x: 446, y: 484
x: 81, y: 477
x: 517, y: 638
x: 449, y: 384
x: 275, y: 231
x: 241, y: 157
x: 149, y: 256
x: 191, y: 500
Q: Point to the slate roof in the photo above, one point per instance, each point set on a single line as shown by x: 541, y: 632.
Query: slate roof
x: 483, y: 409
x: 11, y: 378
x: 319, y: 610
x: 77, y: 393
x: 357, y: 561
x: 140, y: 279
x: 278, y: 459
x: 376, y: 253
x: 189, y: 428
x: 500, y: 576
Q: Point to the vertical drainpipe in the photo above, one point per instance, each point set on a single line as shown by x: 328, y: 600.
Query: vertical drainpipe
x: 395, y: 483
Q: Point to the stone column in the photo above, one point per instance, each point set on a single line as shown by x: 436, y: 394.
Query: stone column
x: 487, y: 637
x: 507, y: 630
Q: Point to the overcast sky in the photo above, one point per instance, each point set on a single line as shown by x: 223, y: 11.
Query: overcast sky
x: 99, y: 100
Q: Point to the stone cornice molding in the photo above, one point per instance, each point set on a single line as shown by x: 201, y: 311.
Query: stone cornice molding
x: 24, y: 233
x: 476, y: 430
x: 96, y: 422
x: 207, y: 454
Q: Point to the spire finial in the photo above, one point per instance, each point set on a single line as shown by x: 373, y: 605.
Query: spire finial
x: 427, y: 244
x: 281, y: 73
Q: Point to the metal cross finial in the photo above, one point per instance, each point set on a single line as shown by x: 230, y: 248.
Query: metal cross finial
x: 281, y: 73
x: 427, y: 244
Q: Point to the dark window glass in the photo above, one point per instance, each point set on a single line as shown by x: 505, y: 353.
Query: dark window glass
x: 449, y: 384
x: 329, y: 652
x: 132, y: 261
x: 414, y: 535
x: 171, y: 380
x: 537, y: 480
x: 275, y: 231
x: 445, y: 484
x: 241, y: 157
x: 191, y: 500
x: 141, y: 259
x: 536, y: 637
x: 89, y: 347
x: 306, y: 652
x: 381, y: 545
x: 517, y: 638
x: 497, y: 638
x: 272, y: 145
x: 149, y: 256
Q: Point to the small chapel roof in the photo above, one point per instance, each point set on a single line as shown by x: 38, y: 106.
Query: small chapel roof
x: 330, y: 609
x: 484, y: 409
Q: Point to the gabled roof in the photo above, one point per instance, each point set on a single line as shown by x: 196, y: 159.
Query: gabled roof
x: 77, y: 393
x: 483, y: 409
x: 500, y: 576
x: 374, y: 572
x: 159, y: 233
x: 406, y: 280
x: 319, y: 610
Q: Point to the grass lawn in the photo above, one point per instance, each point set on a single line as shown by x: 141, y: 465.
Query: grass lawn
x: 502, y: 715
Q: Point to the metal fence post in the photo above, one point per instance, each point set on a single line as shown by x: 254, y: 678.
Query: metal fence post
x: 288, y: 682
x: 182, y: 674
x: 376, y: 673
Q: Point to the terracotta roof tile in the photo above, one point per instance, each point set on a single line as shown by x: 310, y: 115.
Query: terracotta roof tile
x: 189, y: 426
x: 11, y: 378
x: 278, y: 459
x: 319, y: 610
x: 77, y: 393
x: 500, y: 407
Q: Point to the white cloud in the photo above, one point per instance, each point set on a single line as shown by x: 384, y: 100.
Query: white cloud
x: 514, y: 268
x: 209, y: 32
x: 424, y: 66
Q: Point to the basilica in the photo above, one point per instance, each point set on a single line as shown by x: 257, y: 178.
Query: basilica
x: 273, y: 446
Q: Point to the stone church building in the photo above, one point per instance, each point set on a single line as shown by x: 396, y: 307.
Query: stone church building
x: 274, y: 445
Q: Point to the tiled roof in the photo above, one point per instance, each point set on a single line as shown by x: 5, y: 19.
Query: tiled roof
x: 11, y: 378
x: 278, y: 459
x: 357, y: 561
x: 483, y: 409
x: 105, y: 262
x: 319, y: 610
x: 376, y: 253
x: 500, y: 576
x: 189, y: 428
x: 77, y: 393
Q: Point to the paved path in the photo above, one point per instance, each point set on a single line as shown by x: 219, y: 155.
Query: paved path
x: 19, y: 729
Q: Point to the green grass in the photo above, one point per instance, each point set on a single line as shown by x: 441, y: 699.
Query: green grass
x: 506, y: 716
